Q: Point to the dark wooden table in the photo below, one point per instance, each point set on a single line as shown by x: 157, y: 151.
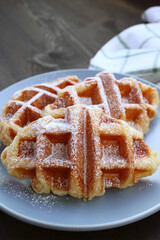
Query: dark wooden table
x: 47, y: 35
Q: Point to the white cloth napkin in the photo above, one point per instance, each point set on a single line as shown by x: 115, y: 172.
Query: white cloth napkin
x: 135, y: 50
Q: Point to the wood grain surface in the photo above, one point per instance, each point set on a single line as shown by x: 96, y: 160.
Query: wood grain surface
x: 46, y: 35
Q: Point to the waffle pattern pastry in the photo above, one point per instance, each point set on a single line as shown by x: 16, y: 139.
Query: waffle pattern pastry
x: 126, y: 99
x: 80, y: 152
x: 27, y: 105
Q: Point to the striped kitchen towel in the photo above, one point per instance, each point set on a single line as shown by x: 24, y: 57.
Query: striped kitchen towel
x: 135, y: 50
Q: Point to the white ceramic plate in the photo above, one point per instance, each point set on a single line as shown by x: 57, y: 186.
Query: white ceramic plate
x: 115, y: 208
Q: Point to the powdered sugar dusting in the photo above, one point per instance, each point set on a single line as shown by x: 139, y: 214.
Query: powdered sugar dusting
x: 27, y: 149
x: 25, y: 193
x: 85, y: 100
x: 59, y: 154
x: 133, y: 124
x: 49, y: 125
x: 31, y: 98
x: 85, y: 152
x: 111, y: 153
x: 60, y: 151
x: 103, y: 96
x: 75, y: 118
x: 125, y: 100
x: 139, y: 149
x: 22, y: 191
x: 109, y: 183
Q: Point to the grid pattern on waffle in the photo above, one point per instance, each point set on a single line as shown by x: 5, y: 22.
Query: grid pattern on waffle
x: 81, y: 153
x: 51, y: 155
x: 27, y: 105
x: 120, y: 149
x: 126, y: 99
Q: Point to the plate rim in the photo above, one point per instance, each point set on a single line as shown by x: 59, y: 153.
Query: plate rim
x: 66, y: 227
x: 94, y: 227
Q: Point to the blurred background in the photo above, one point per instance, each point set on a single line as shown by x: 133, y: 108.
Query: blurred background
x: 46, y: 35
